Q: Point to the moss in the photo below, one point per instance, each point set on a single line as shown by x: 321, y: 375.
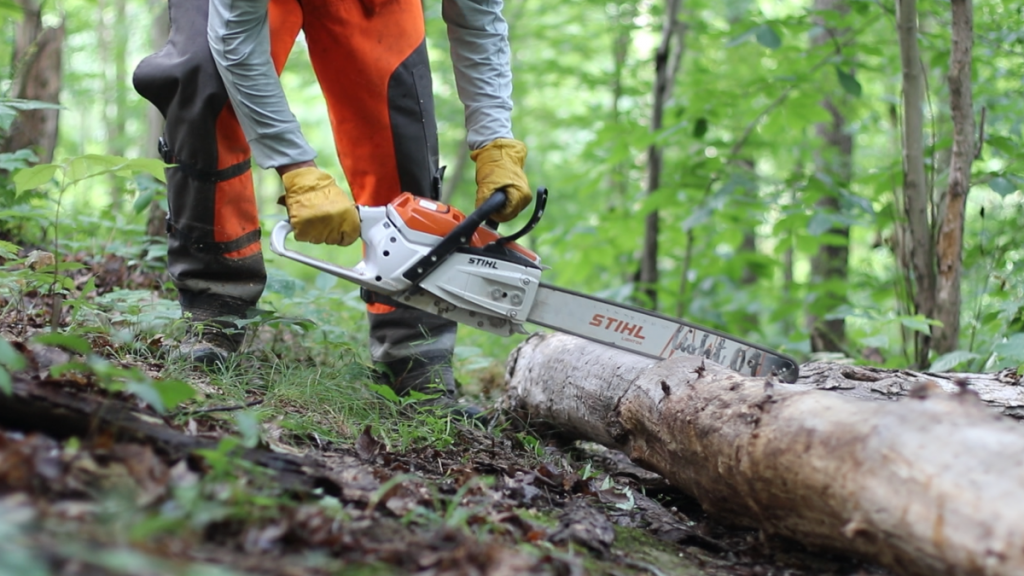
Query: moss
x: 642, y: 550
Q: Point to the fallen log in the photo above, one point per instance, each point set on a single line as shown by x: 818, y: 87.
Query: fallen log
x: 932, y: 484
x: 60, y: 411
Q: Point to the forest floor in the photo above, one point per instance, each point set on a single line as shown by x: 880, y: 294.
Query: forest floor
x: 287, y: 463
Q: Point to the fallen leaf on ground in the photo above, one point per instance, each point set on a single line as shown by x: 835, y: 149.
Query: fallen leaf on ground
x: 367, y: 447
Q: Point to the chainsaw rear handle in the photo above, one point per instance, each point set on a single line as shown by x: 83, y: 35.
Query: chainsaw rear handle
x: 277, y: 245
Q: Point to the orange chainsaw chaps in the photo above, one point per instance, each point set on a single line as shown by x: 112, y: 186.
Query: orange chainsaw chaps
x: 437, y: 219
x: 359, y: 51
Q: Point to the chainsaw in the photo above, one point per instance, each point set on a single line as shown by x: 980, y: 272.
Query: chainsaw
x: 428, y: 255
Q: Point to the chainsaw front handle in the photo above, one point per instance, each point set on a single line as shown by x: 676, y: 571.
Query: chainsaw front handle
x: 277, y: 244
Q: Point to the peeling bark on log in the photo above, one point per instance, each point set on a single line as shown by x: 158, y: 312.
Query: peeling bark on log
x: 933, y: 484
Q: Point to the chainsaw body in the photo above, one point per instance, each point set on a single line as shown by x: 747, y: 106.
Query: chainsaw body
x: 488, y: 285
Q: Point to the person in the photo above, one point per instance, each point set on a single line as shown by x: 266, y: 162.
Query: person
x: 216, y: 83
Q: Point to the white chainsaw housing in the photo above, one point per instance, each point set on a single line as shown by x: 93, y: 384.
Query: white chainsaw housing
x: 475, y: 289
x: 488, y: 293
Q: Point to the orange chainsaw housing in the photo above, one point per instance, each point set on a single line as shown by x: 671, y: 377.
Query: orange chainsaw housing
x: 437, y: 219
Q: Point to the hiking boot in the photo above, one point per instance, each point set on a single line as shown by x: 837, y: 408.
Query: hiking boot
x: 209, y: 342
x: 412, y: 352
x: 431, y: 376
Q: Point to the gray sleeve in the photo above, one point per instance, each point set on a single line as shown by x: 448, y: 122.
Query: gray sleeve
x: 478, y: 35
x: 239, y: 37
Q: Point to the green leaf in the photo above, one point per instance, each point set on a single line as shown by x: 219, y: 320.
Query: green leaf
x: 173, y: 392
x: 767, y: 37
x: 385, y: 391
x: 7, y: 117
x: 1002, y: 186
x: 807, y: 244
x: 849, y: 83
x: 1005, y: 145
x: 325, y: 281
x: 34, y: 177
x: 61, y: 369
x: 919, y: 323
x: 90, y: 285
x: 69, y: 342
x: 741, y: 38
x: 697, y: 217
x: 951, y: 359
x: 820, y: 223
x: 148, y: 393
x: 700, y: 128
x: 1012, y: 349
x: 304, y: 324
x: 661, y: 198
x: 8, y: 251
x: 11, y: 11
x: 9, y: 357
x: 284, y: 285
x: 249, y: 427
x: 151, y: 166
x: 17, y: 160
x: 11, y: 107
x: 92, y: 165
x: 142, y: 200
x: 22, y: 104
x: 879, y: 341
x: 5, y: 381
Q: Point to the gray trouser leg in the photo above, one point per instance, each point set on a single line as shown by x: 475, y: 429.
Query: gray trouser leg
x: 415, y: 349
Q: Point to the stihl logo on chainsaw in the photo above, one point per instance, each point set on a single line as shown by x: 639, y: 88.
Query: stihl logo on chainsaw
x: 617, y: 326
x: 483, y: 262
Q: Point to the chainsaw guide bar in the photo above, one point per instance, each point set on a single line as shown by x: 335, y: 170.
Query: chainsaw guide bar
x: 652, y: 334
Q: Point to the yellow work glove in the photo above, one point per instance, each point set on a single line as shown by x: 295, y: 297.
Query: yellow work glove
x: 500, y: 165
x: 319, y: 211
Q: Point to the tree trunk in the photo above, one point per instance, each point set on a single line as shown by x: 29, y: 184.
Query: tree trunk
x: 618, y: 176
x: 666, y: 63
x: 915, y: 193
x: 37, y: 74
x: 104, y: 41
x: 926, y: 485
x: 951, y: 230
x: 833, y: 160
x: 120, y: 32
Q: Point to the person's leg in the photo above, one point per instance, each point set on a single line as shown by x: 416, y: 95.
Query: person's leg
x: 214, y: 254
x: 371, y: 60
